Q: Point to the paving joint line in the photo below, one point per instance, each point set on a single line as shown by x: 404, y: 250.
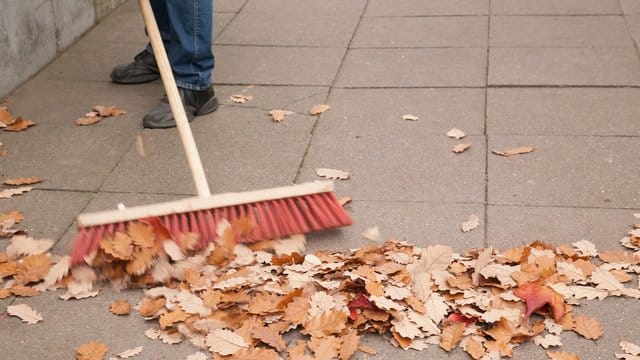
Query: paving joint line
x: 486, y: 137
x: 329, y: 93
x: 224, y: 28
x: 629, y: 30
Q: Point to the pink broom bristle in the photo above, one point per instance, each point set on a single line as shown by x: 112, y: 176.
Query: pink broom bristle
x: 272, y: 219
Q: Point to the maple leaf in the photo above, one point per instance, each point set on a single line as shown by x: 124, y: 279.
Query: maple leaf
x: 120, y: 307
x: 589, y: 328
x: 471, y: 223
x: 460, y: 148
x: 332, y: 174
x: 537, y: 295
x: 514, y: 151
x: 19, y: 124
x: 451, y: 335
x: 23, y: 181
x: 279, y: 115
x: 8, y: 193
x: 25, y: 313
x: 319, y: 109
x: 558, y: 355
x: 456, y: 134
x: 269, y: 337
x: 225, y: 342
x: 409, y: 117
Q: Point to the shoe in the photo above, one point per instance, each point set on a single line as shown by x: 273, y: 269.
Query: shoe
x: 143, y: 69
x: 196, y: 102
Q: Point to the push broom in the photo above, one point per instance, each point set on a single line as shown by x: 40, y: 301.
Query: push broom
x: 274, y: 213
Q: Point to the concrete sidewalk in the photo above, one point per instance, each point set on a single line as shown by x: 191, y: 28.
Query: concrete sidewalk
x: 562, y: 76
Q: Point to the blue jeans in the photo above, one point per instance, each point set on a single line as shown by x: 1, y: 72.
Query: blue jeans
x: 186, y: 31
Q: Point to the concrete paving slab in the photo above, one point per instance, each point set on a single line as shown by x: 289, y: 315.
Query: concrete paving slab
x: 48, y: 214
x: 220, y: 21
x: 68, y: 324
x: 633, y: 22
x: 426, y: 7
x: 630, y: 6
x: 413, y: 68
x: 555, y: 7
x: 107, y: 201
x: 73, y: 157
x: 511, y: 226
x: 228, y: 5
x: 565, y: 171
x: 447, y: 31
x: 305, y: 8
x: 84, y: 60
x: 411, y: 167
x: 241, y: 149
x: 563, y: 111
x: 377, y: 113
x: 287, y: 30
x: 559, y: 31
x: 420, y: 223
x: 266, y: 98
x: 276, y: 65
x: 564, y: 66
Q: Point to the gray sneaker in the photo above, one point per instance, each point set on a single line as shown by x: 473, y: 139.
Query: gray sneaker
x: 196, y: 102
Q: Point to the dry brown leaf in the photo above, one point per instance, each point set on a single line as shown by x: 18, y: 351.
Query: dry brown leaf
x: 319, y: 109
x: 332, y: 174
x: 8, y: 268
x: 456, y: 134
x: 473, y: 346
x: 269, y: 336
x: 451, y: 335
x: 91, y: 351
x: 88, y: 120
x: 120, y: 307
x: 8, y: 193
x: 472, y: 223
x: 168, y: 318
x: 240, y: 98
x: 198, y: 356
x: 151, y: 307
x: 120, y: 246
x: 32, y: 269
x: 5, y: 116
x: 409, y: 117
x: 24, y: 291
x: 22, y: 245
x: 589, y: 328
x: 106, y: 111
x: 461, y: 147
x: 630, y: 348
x: 559, y: 355
x: 4, y: 293
x: 25, y: 313
x: 325, y: 348
x: 514, y: 151
x: 349, y: 345
x: 225, y: 342
x: 296, y: 312
x: 326, y: 324
x: 367, y: 350
x: 131, y: 352
x: 23, y: 181
x: 19, y: 124
x: 279, y: 115
x: 547, y: 341
x: 344, y: 200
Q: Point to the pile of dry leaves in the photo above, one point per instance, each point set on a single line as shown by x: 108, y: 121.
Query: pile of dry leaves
x: 236, y: 300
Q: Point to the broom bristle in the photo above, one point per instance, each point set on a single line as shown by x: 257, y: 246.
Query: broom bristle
x: 271, y: 219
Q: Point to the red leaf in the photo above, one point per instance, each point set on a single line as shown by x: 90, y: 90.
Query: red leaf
x: 537, y: 296
x: 459, y: 318
x: 161, y: 232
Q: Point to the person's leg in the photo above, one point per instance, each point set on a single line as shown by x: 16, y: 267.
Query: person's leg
x: 191, y: 57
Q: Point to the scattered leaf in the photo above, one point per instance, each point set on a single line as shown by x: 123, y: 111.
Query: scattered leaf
x: 409, y: 117
x: 279, y: 115
x: 106, y: 111
x: 23, y: 181
x: 120, y: 307
x: 19, y: 124
x: 589, y: 328
x: 91, y: 351
x: 319, y: 109
x: 131, y: 352
x: 332, y: 174
x: 25, y: 313
x: 514, y: 151
x: 558, y: 355
x: 5, y: 116
x: 456, y: 134
x: 461, y: 147
x: 344, y: 200
x: 8, y: 193
x: 630, y: 348
x: 240, y: 98
x: 88, y: 120
x: 372, y: 233
x: 472, y: 223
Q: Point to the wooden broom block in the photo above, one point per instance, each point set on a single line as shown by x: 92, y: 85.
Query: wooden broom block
x: 203, y: 203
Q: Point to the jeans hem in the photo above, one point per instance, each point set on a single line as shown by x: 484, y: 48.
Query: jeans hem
x: 191, y: 86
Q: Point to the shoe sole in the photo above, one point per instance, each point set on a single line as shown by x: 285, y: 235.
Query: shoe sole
x: 141, y: 79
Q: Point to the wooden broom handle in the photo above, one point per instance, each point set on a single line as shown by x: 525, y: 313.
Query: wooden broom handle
x: 177, y: 108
